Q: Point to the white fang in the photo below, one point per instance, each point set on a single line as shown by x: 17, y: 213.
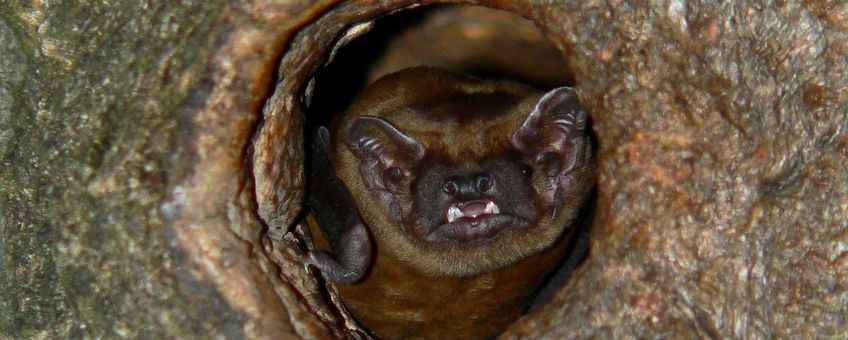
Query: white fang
x: 454, y: 213
x: 492, y: 208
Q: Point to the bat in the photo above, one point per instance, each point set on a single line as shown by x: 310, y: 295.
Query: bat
x: 445, y: 200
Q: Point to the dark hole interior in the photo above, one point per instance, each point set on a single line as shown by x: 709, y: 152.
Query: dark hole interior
x: 470, y: 39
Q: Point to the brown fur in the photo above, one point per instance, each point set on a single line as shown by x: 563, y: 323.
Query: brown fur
x: 397, y: 301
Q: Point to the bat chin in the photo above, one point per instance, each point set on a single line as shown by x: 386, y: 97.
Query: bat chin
x: 474, y: 229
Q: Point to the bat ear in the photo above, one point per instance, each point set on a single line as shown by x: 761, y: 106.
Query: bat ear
x: 554, y: 134
x: 373, y: 138
x: 386, y: 153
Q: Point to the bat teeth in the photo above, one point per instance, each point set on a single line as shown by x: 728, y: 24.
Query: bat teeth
x: 453, y: 213
x: 492, y: 208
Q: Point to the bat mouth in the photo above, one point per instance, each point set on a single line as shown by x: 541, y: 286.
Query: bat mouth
x: 472, y: 210
x: 475, y: 220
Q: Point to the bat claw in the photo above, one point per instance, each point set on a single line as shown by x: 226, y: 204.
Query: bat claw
x: 310, y: 263
x: 332, y: 269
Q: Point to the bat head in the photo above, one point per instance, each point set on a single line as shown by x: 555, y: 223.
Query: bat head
x: 468, y: 174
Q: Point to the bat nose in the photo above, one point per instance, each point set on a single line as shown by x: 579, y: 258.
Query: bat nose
x: 473, y: 186
x: 469, y: 186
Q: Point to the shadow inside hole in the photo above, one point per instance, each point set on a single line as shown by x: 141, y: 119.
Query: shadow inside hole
x: 338, y: 83
x: 577, y: 252
x: 468, y: 39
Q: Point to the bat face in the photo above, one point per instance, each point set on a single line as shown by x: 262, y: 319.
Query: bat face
x: 473, y: 201
x: 459, y: 175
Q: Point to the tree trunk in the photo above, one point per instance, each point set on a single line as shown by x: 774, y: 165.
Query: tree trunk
x: 151, y: 167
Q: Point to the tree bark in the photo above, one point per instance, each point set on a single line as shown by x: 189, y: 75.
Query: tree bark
x: 150, y: 188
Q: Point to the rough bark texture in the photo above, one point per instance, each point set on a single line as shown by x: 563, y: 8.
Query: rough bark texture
x: 139, y: 167
x: 723, y: 191
x: 127, y: 208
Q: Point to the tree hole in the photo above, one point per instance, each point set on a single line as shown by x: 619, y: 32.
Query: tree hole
x: 472, y: 40
x: 335, y: 59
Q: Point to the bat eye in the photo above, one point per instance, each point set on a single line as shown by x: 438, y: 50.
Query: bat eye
x: 450, y: 188
x: 484, y: 183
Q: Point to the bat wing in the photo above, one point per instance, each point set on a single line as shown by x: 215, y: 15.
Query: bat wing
x: 336, y: 213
